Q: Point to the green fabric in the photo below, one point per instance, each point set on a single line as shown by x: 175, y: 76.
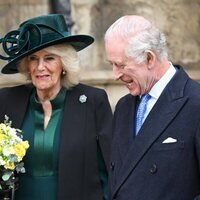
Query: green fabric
x: 41, y: 162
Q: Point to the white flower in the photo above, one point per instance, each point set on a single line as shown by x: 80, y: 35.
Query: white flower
x: 8, y: 150
x: 2, y: 161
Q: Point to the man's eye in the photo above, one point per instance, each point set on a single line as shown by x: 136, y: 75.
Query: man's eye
x: 121, y: 66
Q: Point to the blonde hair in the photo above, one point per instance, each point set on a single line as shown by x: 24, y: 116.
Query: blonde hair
x: 70, y: 63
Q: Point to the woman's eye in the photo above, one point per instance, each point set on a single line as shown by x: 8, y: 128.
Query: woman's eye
x: 49, y: 58
x: 32, y: 58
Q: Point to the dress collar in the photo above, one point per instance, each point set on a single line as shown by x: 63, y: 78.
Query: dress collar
x: 56, y: 103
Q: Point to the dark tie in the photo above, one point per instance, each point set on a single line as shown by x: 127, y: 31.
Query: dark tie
x: 141, y: 111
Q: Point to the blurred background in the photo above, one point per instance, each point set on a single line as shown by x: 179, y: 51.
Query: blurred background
x: 178, y: 19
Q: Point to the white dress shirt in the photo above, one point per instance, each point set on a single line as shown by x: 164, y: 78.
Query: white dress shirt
x: 158, y: 88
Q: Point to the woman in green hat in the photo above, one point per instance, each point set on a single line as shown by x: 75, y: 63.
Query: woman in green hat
x: 67, y: 124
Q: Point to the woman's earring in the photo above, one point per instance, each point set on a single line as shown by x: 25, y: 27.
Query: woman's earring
x: 63, y: 72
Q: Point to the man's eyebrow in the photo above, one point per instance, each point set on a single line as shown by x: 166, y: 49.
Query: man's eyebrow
x: 115, y: 62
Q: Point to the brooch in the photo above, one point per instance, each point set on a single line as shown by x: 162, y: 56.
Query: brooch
x: 82, y: 98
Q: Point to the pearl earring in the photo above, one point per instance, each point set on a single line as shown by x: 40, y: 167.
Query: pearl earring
x: 63, y: 72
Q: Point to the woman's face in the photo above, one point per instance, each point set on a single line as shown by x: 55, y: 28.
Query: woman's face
x: 45, y: 69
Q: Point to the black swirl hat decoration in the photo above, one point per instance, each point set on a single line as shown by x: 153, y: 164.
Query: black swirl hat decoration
x: 36, y: 34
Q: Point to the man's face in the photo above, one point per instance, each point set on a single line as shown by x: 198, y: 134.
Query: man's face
x: 136, y: 77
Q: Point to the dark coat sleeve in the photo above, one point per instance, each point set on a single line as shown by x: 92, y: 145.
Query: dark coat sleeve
x: 104, y: 125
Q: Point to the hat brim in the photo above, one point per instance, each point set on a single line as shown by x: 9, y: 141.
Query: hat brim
x: 79, y: 42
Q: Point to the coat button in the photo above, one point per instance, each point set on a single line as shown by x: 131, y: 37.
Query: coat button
x: 153, y: 169
x: 115, y: 196
x: 112, y: 166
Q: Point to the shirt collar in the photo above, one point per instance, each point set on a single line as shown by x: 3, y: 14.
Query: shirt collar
x: 157, y: 89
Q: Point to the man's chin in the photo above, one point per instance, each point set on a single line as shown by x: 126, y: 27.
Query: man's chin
x: 132, y: 90
x: 134, y: 93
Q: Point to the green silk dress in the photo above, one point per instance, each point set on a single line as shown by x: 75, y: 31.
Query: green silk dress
x: 41, y: 161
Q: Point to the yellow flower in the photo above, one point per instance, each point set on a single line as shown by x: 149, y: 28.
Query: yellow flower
x: 25, y: 144
x: 3, y: 137
x: 12, y: 148
x: 9, y: 165
x: 3, y: 128
x: 20, y: 150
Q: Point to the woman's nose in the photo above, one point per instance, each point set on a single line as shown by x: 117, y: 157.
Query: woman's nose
x: 41, y: 65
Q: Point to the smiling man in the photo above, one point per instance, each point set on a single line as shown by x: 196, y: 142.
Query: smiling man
x: 156, y: 144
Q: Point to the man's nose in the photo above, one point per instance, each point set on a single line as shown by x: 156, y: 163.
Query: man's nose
x: 117, y: 73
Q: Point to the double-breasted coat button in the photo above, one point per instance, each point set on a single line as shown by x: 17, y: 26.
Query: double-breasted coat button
x: 153, y: 169
x: 112, y: 166
x: 115, y: 196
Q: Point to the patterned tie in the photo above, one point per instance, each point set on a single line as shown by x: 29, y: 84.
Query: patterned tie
x: 141, y: 111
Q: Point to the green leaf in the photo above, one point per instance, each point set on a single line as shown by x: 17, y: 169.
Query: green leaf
x: 7, y: 175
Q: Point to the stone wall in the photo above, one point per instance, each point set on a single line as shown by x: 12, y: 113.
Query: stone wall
x: 178, y: 19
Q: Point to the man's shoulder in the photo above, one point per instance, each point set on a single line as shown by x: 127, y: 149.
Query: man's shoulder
x: 128, y: 98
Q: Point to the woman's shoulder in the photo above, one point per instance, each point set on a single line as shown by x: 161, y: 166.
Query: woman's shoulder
x: 89, y: 89
x: 93, y: 93
x: 15, y: 90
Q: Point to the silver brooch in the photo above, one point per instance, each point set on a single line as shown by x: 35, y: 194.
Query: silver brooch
x: 82, y: 98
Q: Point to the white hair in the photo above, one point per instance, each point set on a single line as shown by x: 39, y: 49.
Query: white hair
x: 140, y: 36
x: 70, y: 63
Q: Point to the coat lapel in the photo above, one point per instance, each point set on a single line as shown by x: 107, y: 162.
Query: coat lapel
x: 74, y: 115
x: 163, y: 112
x: 73, y: 124
x: 126, y: 124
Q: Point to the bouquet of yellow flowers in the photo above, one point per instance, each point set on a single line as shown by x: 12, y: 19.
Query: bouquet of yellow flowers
x: 12, y: 151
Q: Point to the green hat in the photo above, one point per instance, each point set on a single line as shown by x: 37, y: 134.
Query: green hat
x: 35, y: 34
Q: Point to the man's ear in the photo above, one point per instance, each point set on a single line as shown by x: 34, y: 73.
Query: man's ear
x: 151, y: 57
